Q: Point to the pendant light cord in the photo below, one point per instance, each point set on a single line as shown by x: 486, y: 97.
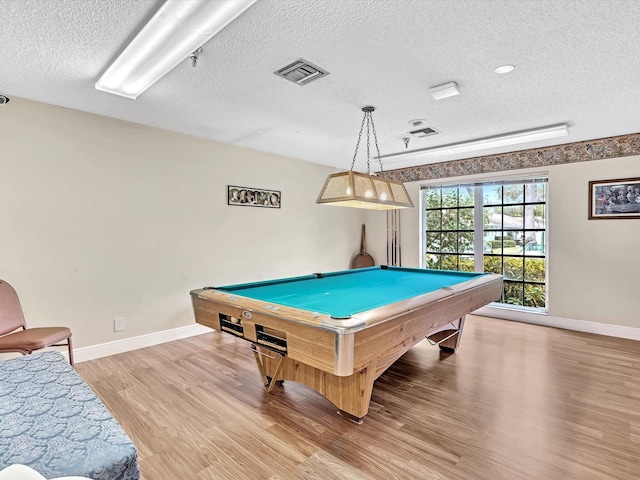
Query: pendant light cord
x: 353, y: 162
x: 368, y: 119
x: 375, y: 138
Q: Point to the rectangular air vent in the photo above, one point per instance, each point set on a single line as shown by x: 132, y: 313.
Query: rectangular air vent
x: 301, y: 72
x: 423, y: 132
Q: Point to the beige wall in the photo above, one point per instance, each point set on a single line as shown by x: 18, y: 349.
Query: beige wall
x: 101, y: 218
x: 594, y: 265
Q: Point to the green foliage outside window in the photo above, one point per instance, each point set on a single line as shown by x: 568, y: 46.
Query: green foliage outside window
x: 497, y: 244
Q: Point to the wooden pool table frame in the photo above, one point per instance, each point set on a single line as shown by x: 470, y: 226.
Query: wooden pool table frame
x: 341, y: 358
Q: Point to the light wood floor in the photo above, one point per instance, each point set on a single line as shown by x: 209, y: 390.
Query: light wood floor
x: 515, y: 402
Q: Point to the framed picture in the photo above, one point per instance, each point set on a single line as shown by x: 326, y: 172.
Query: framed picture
x: 611, y: 199
x: 253, y: 197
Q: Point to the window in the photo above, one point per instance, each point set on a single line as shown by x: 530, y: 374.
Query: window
x: 498, y: 227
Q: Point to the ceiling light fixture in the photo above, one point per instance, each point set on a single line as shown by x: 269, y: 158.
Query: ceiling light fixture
x: 359, y: 190
x: 177, y: 30
x: 514, y: 138
x: 445, y: 90
x: 505, y: 69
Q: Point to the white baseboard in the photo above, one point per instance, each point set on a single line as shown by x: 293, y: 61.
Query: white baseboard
x: 619, y: 331
x: 84, y: 354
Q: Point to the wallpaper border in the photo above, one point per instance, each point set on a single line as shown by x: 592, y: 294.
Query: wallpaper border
x: 598, y: 149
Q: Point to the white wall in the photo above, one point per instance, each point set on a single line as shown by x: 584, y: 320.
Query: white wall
x: 594, y: 265
x: 101, y: 218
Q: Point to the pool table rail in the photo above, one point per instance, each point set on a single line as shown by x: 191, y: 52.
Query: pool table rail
x: 339, y: 326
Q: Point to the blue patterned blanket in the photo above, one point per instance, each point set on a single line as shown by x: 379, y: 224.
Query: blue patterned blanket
x: 51, y: 421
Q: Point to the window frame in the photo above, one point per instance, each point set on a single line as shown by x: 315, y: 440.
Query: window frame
x: 479, y: 230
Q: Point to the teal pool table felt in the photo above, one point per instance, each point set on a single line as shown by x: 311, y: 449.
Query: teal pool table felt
x: 349, y: 292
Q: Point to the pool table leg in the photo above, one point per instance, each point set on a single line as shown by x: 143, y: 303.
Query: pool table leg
x: 353, y: 418
x: 448, y: 340
x: 352, y: 394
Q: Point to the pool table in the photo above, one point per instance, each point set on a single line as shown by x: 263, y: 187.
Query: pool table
x: 337, y: 332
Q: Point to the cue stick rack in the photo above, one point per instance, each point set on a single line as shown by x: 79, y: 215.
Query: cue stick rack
x: 394, y: 252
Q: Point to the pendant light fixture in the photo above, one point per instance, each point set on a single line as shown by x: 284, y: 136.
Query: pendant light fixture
x: 359, y: 190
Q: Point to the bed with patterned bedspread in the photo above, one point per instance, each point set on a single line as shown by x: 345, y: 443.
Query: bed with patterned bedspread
x: 51, y: 421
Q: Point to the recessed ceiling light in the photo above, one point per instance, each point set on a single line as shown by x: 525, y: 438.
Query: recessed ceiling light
x: 505, y: 69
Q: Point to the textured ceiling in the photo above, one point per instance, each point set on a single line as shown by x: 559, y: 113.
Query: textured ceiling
x: 576, y: 62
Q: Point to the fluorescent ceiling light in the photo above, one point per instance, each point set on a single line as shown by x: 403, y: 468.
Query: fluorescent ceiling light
x: 176, y: 30
x: 444, y: 91
x: 515, y: 138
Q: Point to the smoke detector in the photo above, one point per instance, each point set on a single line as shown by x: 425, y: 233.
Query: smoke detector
x: 445, y: 90
x: 301, y: 72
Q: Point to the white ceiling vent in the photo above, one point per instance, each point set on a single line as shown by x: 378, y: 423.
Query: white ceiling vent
x: 424, y: 132
x: 301, y: 72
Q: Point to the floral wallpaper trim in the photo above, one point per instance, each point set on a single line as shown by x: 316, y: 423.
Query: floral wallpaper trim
x: 599, y: 149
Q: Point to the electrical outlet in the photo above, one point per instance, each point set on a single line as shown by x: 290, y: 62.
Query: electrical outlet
x: 118, y: 324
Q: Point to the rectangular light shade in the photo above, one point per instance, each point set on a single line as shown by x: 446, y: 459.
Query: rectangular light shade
x: 359, y: 190
x: 515, y: 138
x: 177, y: 29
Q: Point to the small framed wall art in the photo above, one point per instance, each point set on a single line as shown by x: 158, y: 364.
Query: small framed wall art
x: 614, y: 199
x: 253, y: 197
